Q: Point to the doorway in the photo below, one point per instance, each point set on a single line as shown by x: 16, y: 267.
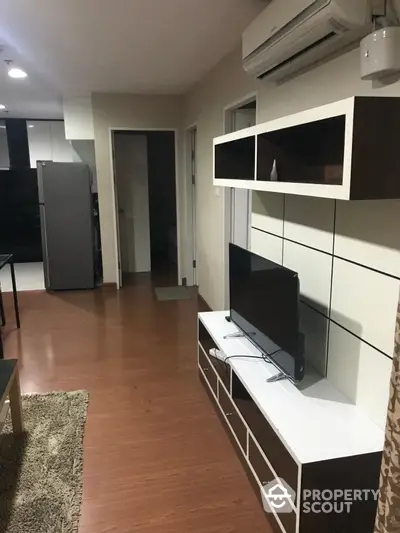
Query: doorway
x: 238, y: 202
x: 145, y: 193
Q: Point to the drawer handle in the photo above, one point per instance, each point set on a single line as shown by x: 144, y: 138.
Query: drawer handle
x: 229, y: 414
x: 206, y: 368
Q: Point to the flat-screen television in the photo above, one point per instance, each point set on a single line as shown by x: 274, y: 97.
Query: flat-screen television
x: 264, y: 304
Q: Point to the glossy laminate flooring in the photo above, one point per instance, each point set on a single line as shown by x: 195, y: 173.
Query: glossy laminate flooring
x: 157, y: 459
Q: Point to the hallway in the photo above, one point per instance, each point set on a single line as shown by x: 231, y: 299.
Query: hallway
x: 157, y: 459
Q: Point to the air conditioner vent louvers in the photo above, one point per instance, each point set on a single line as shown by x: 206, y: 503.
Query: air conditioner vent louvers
x: 299, y: 54
x: 277, y: 35
x: 340, y: 28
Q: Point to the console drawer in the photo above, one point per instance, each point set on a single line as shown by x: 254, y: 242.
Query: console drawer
x: 233, y: 417
x: 208, y: 371
x: 261, y: 467
x: 207, y: 342
x: 280, y: 459
x: 265, y: 476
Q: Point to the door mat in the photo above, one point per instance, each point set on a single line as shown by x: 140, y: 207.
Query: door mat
x: 173, y: 293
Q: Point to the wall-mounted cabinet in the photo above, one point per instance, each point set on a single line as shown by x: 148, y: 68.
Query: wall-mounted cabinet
x: 47, y: 142
x: 346, y: 150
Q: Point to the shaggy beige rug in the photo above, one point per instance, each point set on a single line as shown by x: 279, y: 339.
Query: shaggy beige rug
x: 41, y: 472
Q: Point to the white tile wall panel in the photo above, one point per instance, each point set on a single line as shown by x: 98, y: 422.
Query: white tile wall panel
x: 315, y: 270
x: 266, y: 245
x: 310, y: 221
x: 314, y: 327
x: 267, y: 212
x: 361, y: 300
x: 365, y: 302
x: 360, y: 373
x: 368, y: 233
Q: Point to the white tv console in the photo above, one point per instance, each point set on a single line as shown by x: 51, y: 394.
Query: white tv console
x: 310, y: 435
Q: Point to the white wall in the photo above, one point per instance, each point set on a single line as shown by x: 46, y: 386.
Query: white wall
x: 79, y: 130
x: 78, y: 118
x: 205, y: 107
x: 131, y: 112
x: 84, y: 152
x: 347, y: 254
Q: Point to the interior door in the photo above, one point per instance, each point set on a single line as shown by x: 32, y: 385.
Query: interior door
x: 133, y: 202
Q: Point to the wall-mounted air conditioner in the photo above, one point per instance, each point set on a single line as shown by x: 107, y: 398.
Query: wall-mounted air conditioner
x: 290, y: 35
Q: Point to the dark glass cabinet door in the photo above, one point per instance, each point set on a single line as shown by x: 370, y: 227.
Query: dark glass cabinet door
x: 236, y: 159
x: 308, y: 153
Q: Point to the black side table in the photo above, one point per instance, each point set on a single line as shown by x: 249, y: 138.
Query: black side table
x: 9, y: 388
x: 4, y: 260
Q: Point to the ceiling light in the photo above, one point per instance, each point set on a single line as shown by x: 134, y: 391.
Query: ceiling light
x: 2, y: 106
x: 17, y: 73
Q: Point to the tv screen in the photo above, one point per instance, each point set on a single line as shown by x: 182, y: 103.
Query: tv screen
x: 264, y: 304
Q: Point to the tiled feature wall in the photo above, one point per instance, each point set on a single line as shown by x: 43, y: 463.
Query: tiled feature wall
x: 347, y: 255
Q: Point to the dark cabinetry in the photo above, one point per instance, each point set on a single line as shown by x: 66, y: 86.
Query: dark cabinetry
x: 19, y: 200
x: 19, y: 215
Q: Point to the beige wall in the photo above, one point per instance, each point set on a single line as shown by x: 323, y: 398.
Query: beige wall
x: 336, y: 79
x: 131, y: 112
x: 205, y: 107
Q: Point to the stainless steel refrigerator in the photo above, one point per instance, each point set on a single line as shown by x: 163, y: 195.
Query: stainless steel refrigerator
x: 67, y: 225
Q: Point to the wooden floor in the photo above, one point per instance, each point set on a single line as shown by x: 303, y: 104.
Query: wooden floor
x: 157, y: 459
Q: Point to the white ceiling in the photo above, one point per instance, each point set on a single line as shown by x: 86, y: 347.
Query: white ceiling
x: 29, y: 98
x: 138, y: 46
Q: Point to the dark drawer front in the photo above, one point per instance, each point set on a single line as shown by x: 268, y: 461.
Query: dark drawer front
x: 261, y: 468
x: 233, y: 418
x: 265, y: 476
x: 208, y: 371
x: 222, y: 369
x: 280, y: 459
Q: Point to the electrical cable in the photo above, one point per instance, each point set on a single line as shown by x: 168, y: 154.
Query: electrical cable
x: 264, y: 357
x: 261, y: 357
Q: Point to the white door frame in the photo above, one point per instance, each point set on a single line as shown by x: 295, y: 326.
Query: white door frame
x: 190, y: 208
x: 226, y: 191
x: 111, y: 131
